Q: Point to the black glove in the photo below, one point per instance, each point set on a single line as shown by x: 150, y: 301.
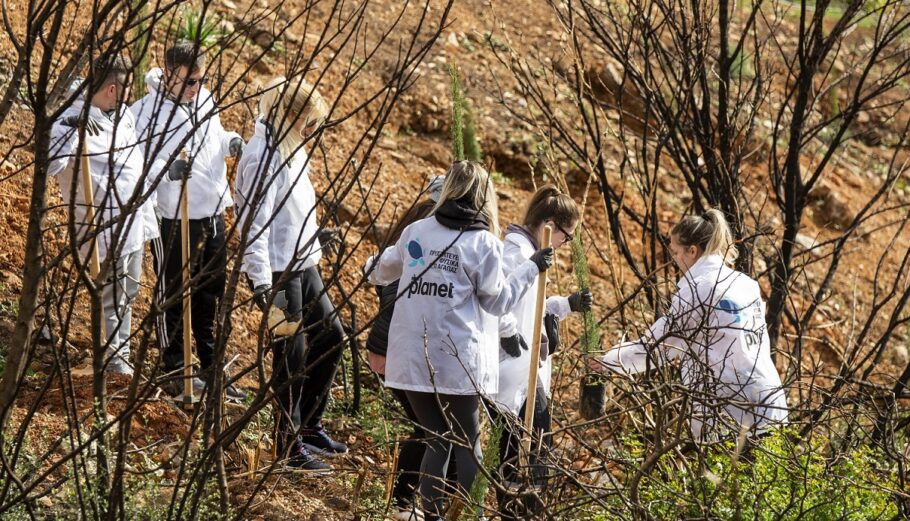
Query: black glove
x: 180, y: 170
x: 551, y: 326
x: 543, y: 258
x: 330, y: 239
x: 513, y: 345
x: 581, y: 300
x: 92, y: 127
x: 236, y: 147
x: 261, y: 294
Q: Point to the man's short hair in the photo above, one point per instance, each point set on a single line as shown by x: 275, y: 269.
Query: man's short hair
x: 108, y: 68
x: 184, y: 53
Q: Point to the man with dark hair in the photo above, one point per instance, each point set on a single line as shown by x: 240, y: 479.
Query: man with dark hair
x: 115, y: 167
x: 186, y: 145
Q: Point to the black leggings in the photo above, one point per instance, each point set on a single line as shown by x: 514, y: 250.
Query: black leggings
x: 209, y: 258
x: 510, y: 446
x: 446, y: 419
x: 313, y: 353
x: 410, y: 456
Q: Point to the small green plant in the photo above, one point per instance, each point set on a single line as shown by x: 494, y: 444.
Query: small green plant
x: 501, y: 178
x: 457, y: 116
x: 471, y: 144
x: 139, y: 49
x: 465, y: 144
x: 590, y: 342
x: 200, y: 27
x: 491, y: 464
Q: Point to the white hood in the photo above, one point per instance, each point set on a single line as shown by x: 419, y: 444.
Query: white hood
x: 153, y: 79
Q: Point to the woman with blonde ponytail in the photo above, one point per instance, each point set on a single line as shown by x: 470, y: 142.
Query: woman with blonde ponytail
x: 283, y: 245
x: 716, y: 327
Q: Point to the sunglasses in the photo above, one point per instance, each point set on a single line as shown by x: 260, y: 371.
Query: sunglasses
x: 189, y: 82
x: 568, y: 236
x: 563, y: 230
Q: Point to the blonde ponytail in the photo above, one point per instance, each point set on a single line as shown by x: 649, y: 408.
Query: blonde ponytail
x: 710, y: 232
x: 721, y: 241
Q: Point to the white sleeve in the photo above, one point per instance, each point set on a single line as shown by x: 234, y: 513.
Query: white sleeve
x: 495, y: 292
x: 633, y: 357
x: 388, y: 267
x: 667, y: 333
x: 64, y: 142
x: 512, y: 258
x: 256, y: 202
x: 559, y: 306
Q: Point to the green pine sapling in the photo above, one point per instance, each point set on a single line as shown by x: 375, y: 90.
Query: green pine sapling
x: 457, y: 116
x: 590, y: 342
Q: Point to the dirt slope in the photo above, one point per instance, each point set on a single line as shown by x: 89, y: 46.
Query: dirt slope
x: 413, y: 146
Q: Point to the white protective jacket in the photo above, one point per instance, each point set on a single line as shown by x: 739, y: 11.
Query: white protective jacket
x: 513, y: 371
x: 162, y: 125
x: 278, y: 198
x: 444, y: 335
x: 716, y: 326
x: 115, y: 163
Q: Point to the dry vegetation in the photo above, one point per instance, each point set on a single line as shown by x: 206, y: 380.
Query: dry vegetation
x: 799, y: 134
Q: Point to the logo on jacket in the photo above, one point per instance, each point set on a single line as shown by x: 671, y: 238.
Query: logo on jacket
x: 418, y: 286
x: 415, y: 250
x: 730, y: 307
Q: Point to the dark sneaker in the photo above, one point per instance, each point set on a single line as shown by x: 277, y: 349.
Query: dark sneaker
x: 173, y: 385
x: 232, y: 393
x: 301, y: 459
x: 318, y: 441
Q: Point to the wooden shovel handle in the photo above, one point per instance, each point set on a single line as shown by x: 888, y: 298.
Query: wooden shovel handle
x: 187, y: 293
x: 535, y: 350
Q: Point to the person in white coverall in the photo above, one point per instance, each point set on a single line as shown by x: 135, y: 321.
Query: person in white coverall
x: 115, y: 163
x: 715, y: 327
x: 179, y: 114
x: 281, y: 253
x: 443, y: 341
x: 548, y: 206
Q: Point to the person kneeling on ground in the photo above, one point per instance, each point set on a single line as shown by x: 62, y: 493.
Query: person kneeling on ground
x: 716, y: 327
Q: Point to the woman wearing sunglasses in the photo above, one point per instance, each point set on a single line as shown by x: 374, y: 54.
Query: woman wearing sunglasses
x: 548, y: 207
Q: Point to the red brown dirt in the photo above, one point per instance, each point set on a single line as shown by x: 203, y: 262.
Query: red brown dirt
x: 414, y: 146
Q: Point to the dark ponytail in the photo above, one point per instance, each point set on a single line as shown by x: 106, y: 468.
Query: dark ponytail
x: 548, y: 203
